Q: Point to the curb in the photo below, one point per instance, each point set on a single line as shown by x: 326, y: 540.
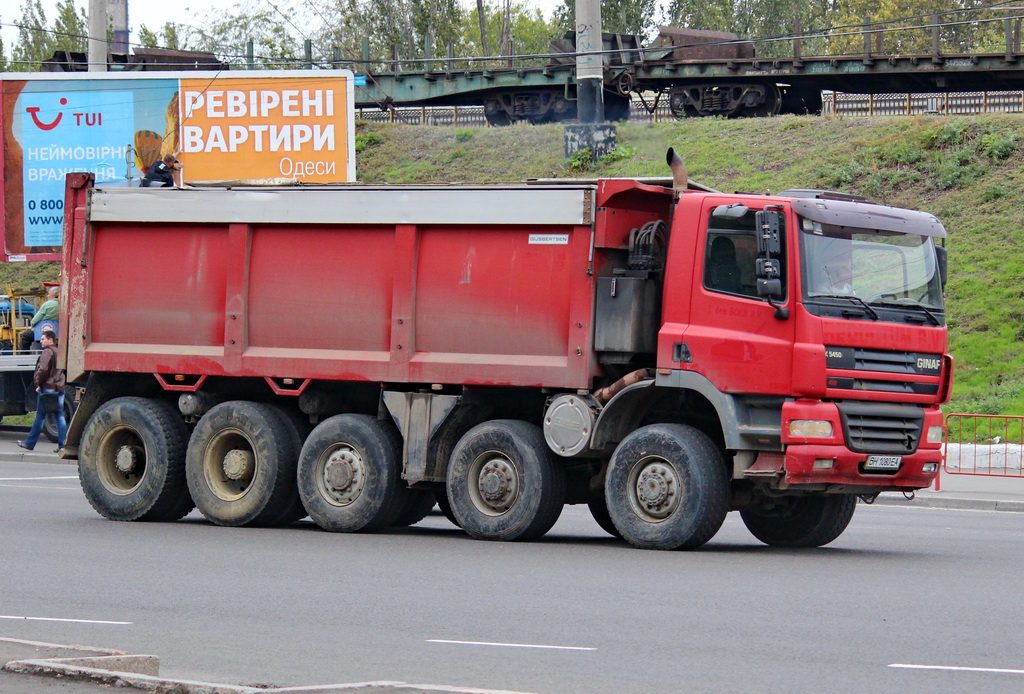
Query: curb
x: 117, y: 669
x: 35, y: 456
x: 72, y: 668
x: 932, y: 501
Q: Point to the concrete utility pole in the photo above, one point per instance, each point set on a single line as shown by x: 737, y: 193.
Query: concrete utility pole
x: 590, y: 131
x: 589, y: 66
x: 97, y: 35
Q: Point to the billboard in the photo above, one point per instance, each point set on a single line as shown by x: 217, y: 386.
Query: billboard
x: 221, y: 126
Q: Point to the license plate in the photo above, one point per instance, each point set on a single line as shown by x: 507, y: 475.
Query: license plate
x: 883, y: 462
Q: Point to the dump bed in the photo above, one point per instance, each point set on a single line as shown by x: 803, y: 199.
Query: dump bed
x: 425, y: 284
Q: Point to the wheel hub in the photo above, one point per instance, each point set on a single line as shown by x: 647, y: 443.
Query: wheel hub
x: 339, y: 474
x: 498, y: 484
x: 126, y: 459
x: 239, y: 464
x: 343, y: 475
x: 657, y: 490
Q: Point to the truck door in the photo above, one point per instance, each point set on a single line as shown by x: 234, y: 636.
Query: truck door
x: 736, y: 338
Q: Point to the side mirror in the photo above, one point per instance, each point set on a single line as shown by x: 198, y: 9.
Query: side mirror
x: 941, y: 258
x: 769, y: 289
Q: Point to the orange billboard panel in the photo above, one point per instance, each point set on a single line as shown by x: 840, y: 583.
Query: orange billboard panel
x: 264, y: 127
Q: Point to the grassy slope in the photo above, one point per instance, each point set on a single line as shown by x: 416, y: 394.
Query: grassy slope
x: 966, y: 170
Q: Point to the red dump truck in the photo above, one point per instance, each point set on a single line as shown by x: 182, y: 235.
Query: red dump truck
x: 356, y: 353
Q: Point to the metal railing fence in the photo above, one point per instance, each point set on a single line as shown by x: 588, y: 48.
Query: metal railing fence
x: 988, y: 445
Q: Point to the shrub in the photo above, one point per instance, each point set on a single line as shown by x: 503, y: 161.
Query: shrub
x: 580, y: 162
x: 993, y: 192
x: 997, y: 146
x: 946, y: 134
x: 366, y: 139
x: 618, y: 154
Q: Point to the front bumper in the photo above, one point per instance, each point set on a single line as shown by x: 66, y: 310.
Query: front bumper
x: 847, y: 468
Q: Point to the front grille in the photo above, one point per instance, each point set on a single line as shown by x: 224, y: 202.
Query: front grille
x: 881, y: 427
x: 886, y: 361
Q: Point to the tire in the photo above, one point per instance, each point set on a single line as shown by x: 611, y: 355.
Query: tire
x: 441, y: 496
x: 417, y: 505
x: 298, y: 428
x: 240, y: 465
x: 667, y: 487
x: 50, y: 423
x: 504, y: 483
x: 132, y: 461
x: 350, y: 474
x: 599, y: 510
x: 806, y: 521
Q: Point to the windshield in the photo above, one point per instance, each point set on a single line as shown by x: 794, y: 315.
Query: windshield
x: 875, y: 267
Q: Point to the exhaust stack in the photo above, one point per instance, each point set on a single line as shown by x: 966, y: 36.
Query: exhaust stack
x: 680, y: 179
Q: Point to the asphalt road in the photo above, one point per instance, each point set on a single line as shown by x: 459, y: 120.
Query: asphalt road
x: 299, y: 606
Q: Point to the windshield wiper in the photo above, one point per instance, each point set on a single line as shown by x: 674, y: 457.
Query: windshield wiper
x: 850, y: 297
x: 910, y: 303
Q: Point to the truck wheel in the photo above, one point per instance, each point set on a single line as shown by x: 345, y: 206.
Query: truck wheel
x: 416, y: 508
x: 297, y: 428
x: 350, y: 474
x: 50, y: 423
x: 132, y: 461
x: 240, y: 465
x: 667, y: 487
x: 599, y: 510
x: 446, y: 508
x: 806, y: 521
x: 504, y: 482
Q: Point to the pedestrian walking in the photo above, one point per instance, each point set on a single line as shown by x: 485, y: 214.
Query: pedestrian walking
x: 49, y: 380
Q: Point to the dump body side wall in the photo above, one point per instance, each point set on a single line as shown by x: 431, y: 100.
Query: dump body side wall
x: 494, y: 303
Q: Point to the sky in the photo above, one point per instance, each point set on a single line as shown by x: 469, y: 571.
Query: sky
x: 155, y: 13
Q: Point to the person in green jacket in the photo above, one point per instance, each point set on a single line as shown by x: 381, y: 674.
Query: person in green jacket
x: 50, y: 310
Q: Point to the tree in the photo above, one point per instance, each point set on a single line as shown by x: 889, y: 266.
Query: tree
x: 524, y: 26
x: 3, y: 54
x: 71, y: 28
x: 906, y: 29
x: 170, y: 36
x: 438, y: 19
x: 756, y: 19
x: 227, y: 34
x: 35, y: 41
x: 636, y: 17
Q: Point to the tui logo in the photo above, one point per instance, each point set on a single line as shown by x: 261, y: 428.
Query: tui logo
x: 34, y: 111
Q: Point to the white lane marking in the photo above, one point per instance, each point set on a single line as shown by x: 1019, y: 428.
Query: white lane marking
x: 512, y: 645
x: 957, y: 668
x: 27, y: 479
x: 58, y: 619
x: 35, y: 486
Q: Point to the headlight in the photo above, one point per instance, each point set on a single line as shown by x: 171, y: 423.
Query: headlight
x: 935, y: 434
x: 810, y: 428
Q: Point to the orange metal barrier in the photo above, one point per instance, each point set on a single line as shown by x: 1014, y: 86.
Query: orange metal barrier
x: 982, y: 444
